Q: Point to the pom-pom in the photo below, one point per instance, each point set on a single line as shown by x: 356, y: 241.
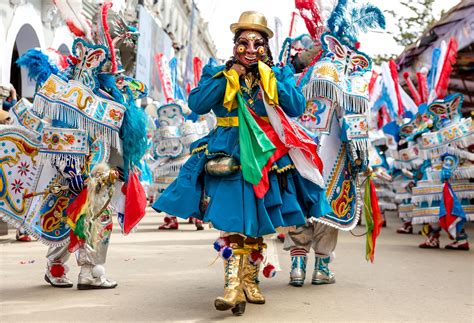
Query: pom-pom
x: 222, y: 242
x: 98, y: 271
x: 217, y: 247
x: 226, y: 252
x: 57, y: 270
x: 269, y: 271
x: 255, y: 258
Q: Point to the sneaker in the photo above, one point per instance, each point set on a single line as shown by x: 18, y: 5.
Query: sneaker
x: 407, y: 228
x: 298, y: 270
x: 322, y: 274
x: 430, y: 243
x: 171, y: 223
x: 198, y: 224
x: 93, y: 277
x: 458, y: 245
x: 23, y: 237
x: 56, y: 276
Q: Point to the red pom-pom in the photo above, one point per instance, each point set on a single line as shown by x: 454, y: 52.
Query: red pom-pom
x: 57, y: 270
x: 357, y: 45
x: 255, y: 257
x: 269, y: 271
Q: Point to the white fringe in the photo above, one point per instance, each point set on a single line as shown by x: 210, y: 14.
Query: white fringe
x: 411, y: 164
x: 17, y: 225
x: 56, y: 158
x: 327, y: 89
x: 438, y: 151
x: 438, y: 196
x: 425, y: 219
x: 170, y: 168
x: 75, y: 119
x: 387, y: 206
x: 459, y: 173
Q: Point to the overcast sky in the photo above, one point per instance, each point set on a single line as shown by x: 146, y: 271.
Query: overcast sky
x: 221, y: 13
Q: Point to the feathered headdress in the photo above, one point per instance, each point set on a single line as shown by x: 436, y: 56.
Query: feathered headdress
x: 347, y: 23
x: 71, y: 12
x: 310, y: 12
x: 38, y: 64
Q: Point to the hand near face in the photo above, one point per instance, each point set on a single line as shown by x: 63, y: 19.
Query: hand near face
x: 240, y: 69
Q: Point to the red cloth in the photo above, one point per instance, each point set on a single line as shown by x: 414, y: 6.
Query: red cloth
x: 377, y: 216
x: 297, y: 138
x: 445, y: 222
x: 135, y: 203
x: 262, y: 187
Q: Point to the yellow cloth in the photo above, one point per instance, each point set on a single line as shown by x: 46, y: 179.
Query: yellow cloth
x: 268, y: 82
x: 232, y: 87
x: 231, y: 121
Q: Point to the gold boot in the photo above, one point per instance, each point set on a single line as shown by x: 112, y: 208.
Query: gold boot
x: 250, y: 279
x: 234, y: 297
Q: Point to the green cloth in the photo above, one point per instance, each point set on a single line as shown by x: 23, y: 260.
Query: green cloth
x: 255, y: 147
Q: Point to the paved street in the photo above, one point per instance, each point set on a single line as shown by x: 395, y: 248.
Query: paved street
x: 169, y: 276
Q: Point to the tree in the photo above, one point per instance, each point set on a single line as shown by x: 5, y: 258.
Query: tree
x: 412, y: 25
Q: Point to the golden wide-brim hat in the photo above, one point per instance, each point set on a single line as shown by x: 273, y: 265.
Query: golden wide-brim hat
x: 252, y: 20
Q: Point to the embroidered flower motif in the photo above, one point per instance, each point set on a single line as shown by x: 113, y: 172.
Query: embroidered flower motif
x: 17, y: 186
x: 69, y: 138
x: 23, y: 168
x: 116, y: 115
x: 55, y: 138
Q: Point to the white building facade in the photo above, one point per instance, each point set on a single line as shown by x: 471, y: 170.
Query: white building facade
x: 26, y: 24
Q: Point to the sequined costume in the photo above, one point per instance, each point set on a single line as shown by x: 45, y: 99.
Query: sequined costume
x: 433, y: 164
x: 337, y: 101
x: 71, y: 152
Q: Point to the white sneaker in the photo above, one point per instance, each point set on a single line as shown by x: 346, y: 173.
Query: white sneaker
x: 93, y: 277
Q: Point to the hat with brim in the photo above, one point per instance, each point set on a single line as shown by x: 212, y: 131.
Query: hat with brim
x: 252, y: 20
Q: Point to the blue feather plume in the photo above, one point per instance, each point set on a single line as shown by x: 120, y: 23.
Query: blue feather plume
x: 108, y: 84
x: 338, y: 17
x: 346, y: 23
x: 364, y: 19
x: 38, y: 65
x: 133, y: 134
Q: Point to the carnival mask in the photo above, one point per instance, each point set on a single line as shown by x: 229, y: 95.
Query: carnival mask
x: 170, y: 115
x: 250, y: 48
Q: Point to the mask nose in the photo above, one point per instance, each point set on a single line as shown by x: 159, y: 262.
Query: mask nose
x: 251, y: 49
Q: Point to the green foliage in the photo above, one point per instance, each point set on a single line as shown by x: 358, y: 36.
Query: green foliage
x: 411, y: 26
x: 378, y: 59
